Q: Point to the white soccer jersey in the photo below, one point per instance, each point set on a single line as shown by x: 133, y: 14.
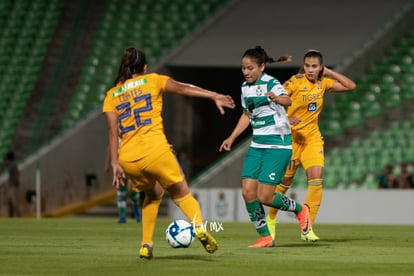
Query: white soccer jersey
x: 271, y: 128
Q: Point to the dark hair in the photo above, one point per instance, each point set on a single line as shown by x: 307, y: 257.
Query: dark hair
x: 259, y: 54
x: 314, y: 53
x: 132, y: 62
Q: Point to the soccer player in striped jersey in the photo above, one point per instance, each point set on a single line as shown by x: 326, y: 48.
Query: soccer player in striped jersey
x: 264, y: 101
x: 133, y: 109
x: 307, y: 90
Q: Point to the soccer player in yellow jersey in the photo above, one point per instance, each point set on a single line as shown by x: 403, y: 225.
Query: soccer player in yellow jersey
x: 306, y: 91
x: 133, y: 112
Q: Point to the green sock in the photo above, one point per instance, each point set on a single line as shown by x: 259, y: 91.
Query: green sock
x: 258, y: 217
x: 134, y: 197
x: 121, y: 201
x: 285, y: 203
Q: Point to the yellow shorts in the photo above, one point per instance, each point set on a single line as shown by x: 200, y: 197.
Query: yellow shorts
x: 309, y: 153
x: 160, y: 165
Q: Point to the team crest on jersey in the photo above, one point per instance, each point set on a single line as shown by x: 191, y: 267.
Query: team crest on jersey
x: 258, y: 90
x: 319, y: 85
x: 312, y: 107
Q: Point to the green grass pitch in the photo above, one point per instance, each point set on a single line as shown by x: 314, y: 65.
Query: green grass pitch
x: 97, y: 246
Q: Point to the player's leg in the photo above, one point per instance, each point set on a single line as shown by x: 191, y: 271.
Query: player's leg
x: 250, y: 174
x: 256, y: 213
x: 287, y: 181
x: 146, y: 182
x: 314, y: 193
x: 275, y: 162
x: 121, y: 197
x: 284, y: 203
x: 135, y: 196
x: 173, y: 180
x: 150, y: 207
x: 313, y: 163
x: 282, y: 188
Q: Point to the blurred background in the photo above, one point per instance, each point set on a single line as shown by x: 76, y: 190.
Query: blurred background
x: 58, y: 58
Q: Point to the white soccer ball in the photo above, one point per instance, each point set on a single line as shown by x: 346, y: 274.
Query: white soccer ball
x: 179, y: 234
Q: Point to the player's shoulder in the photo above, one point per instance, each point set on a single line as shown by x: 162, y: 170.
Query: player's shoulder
x: 327, y: 79
x: 269, y: 79
x: 115, y: 90
x: 295, y: 79
x: 298, y: 76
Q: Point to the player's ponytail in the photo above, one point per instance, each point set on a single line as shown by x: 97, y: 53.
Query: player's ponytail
x: 133, y: 62
x: 262, y: 57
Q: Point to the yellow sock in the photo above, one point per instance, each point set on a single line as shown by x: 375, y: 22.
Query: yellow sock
x: 314, y: 197
x: 149, y: 217
x: 279, y: 189
x: 191, y: 209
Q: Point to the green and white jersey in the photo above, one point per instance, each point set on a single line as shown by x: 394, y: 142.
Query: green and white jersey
x: 271, y: 128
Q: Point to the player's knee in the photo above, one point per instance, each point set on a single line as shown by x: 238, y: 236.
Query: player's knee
x: 179, y: 189
x: 249, y: 194
x: 265, y: 199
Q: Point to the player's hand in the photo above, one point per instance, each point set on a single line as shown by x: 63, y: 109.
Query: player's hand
x: 326, y: 71
x: 119, y: 175
x: 224, y: 101
x: 271, y: 96
x: 226, y: 145
x: 294, y: 120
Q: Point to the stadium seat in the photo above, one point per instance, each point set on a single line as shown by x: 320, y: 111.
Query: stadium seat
x: 392, y: 96
x: 21, y: 55
x: 353, y: 115
x: 158, y: 28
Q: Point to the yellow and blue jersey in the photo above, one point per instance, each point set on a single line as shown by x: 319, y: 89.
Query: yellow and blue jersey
x: 138, y: 103
x: 307, y: 102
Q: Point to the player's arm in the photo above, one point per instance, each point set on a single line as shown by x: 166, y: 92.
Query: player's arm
x: 195, y: 91
x: 342, y: 83
x: 243, y: 123
x: 283, y: 99
x: 118, y: 173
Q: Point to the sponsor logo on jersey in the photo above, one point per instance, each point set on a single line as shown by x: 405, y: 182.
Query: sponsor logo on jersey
x: 312, y: 107
x: 129, y: 85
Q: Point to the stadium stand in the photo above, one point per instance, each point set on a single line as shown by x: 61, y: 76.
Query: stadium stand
x: 26, y: 28
x: 160, y: 26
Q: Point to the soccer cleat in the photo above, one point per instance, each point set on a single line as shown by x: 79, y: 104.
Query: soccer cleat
x: 137, y: 214
x: 208, y: 242
x: 304, y: 219
x: 263, y: 242
x: 122, y: 220
x: 145, y: 251
x: 310, y: 236
x: 271, y: 225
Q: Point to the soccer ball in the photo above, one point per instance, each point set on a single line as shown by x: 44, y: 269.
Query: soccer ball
x: 179, y: 234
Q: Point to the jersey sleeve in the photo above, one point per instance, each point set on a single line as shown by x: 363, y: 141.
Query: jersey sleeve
x: 162, y: 82
x: 291, y: 84
x: 108, y: 105
x: 328, y: 83
x: 275, y: 86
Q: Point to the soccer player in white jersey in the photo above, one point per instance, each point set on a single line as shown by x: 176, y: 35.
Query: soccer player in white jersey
x: 264, y: 102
